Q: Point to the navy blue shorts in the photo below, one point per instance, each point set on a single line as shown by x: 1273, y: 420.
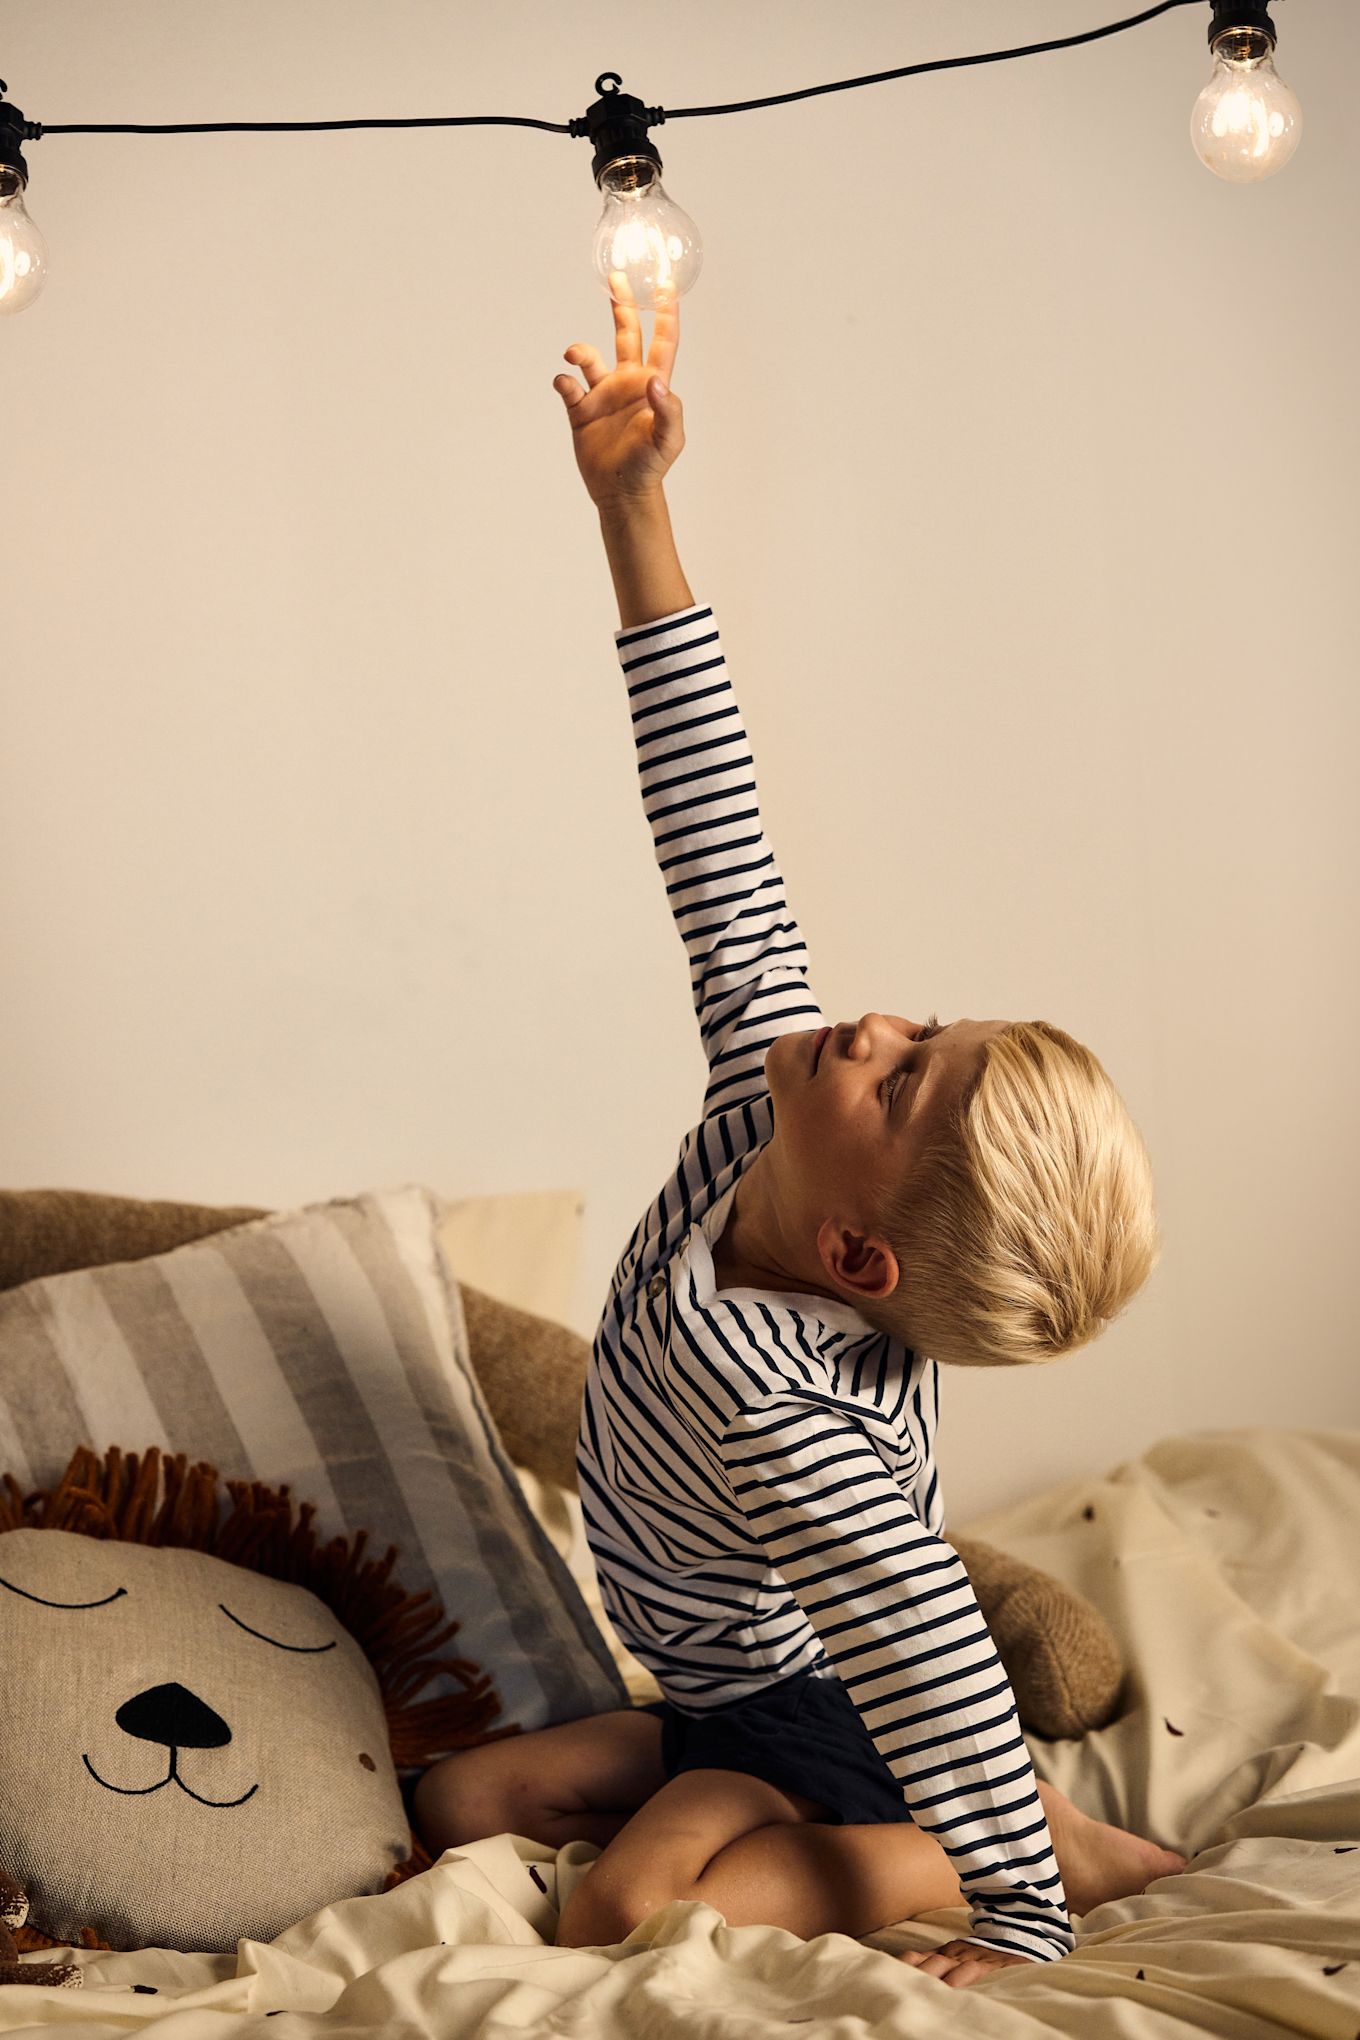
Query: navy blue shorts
x: 803, y: 1734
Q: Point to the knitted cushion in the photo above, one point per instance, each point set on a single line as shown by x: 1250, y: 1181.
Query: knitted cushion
x: 1058, y: 1650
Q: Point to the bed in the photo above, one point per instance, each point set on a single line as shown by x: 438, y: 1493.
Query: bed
x: 1228, y: 1564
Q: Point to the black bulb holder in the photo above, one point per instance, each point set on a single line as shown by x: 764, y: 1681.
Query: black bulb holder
x: 617, y: 124
x: 1244, y: 15
x: 14, y: 130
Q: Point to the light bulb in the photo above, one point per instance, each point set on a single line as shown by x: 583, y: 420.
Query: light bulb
x: 644, y: 233
x: 1246, y: 122
x: 23, y: 251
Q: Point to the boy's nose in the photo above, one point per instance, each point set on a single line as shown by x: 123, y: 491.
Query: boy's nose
x: 880, y: 1023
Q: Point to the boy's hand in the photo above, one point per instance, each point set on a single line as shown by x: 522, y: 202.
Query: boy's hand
x: 626, y: 435
x: 959, y: 1963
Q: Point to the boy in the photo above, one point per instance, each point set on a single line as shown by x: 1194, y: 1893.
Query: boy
x: 838, y: 1747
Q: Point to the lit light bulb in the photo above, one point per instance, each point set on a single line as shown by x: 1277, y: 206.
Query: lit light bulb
x: 1246, y: 122
x: 23, y: 251
x: 644, y: 233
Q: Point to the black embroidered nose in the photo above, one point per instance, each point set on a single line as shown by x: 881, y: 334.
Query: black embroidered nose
x: 174, y: 1716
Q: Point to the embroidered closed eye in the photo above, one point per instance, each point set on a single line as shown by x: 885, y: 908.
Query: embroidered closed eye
x: 306, y: 1648
x: 116, y: 1595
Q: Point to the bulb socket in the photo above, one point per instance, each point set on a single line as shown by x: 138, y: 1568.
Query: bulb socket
x: 14, y: 129
x: 617, y: 125
x: 1248, y: 16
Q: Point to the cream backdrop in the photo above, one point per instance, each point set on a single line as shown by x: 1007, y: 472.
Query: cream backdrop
x: 1021, y: 475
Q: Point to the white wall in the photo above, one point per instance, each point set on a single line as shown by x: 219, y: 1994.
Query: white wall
x: 1021, y: 476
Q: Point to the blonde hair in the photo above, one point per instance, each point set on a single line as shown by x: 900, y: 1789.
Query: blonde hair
x: 1026, y: 1224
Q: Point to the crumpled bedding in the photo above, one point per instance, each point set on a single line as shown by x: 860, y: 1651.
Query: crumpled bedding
x: 1228, y: 1563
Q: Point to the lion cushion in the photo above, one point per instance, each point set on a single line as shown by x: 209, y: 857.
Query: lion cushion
x: 205, y: 1713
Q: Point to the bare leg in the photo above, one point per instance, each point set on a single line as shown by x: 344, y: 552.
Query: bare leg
x: 822, y: 1879
x: 578, y: 1781
x: 817, y: 1879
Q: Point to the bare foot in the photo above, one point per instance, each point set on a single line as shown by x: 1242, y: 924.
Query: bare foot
x: 1099, y: 1862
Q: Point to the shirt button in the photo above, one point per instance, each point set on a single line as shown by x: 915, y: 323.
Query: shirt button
x: 656, y: 1285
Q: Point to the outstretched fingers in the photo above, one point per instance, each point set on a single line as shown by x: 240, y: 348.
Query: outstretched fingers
x: 627, y: 324
x: 665, y: 335
x: 628, y: 327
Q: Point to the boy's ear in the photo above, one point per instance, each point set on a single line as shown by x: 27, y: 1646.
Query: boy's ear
x: 859, y: 1261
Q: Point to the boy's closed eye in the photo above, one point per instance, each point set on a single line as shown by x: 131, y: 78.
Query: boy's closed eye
x: 892, y: 1084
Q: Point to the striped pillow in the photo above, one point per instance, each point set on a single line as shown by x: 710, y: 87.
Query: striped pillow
x: 325, y: 1348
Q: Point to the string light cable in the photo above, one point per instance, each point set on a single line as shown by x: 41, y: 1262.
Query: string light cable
x: 1244, y: 126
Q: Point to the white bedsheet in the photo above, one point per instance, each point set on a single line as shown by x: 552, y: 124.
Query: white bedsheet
x: 1228, y: 1563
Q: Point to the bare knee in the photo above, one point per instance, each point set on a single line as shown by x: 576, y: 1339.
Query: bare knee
x: 582, y: 1923
x: 623, y: 1887
x: 666, y: 1850
x: 600, y: 1914
x: 455, y: 1801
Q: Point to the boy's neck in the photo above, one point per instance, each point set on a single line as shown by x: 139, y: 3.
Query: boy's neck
x: 737, y: 1238
x: 729, y: 1273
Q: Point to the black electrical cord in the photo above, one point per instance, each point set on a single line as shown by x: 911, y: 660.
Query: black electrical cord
x: 35, y: 130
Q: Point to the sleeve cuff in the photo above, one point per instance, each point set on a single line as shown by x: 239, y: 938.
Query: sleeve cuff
x: 635, y: 633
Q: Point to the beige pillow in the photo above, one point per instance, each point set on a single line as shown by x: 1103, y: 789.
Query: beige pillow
x: 523, y: 1248
x: 191, y: 1752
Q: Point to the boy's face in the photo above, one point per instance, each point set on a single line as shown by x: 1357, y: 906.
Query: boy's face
x: 853, y: 1107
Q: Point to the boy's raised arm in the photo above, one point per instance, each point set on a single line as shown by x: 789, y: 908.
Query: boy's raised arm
x: 640, y: 545
x: 748, y: 963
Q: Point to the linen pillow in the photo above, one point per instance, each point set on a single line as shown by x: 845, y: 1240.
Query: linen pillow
x: 519, y: 1246
x: 515, y: 1256
x: 325, y: 1348
x: 558, y: 1509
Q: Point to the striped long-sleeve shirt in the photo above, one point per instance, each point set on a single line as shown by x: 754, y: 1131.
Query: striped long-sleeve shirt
x: 756, y: 1468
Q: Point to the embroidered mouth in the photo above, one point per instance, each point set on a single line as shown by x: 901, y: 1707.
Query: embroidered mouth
x: 171, y: 1777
